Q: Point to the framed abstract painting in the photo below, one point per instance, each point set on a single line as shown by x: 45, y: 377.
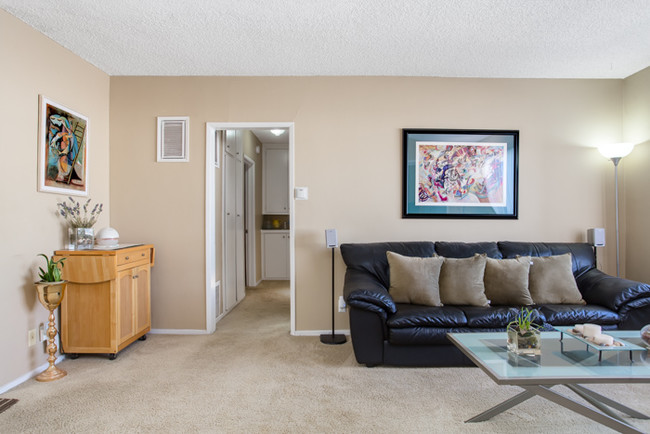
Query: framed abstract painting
x: 62, y: 150
x: 460, y: 173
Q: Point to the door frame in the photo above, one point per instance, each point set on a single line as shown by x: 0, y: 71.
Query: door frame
x: 213, y: 158
x: 249, y: 221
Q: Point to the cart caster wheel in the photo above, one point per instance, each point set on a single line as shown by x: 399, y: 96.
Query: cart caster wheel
x: 112, y: 356
x: 142, y: 338
x: 73, y: 356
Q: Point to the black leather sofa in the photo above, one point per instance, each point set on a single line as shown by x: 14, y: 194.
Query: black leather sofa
x: 389, y: 333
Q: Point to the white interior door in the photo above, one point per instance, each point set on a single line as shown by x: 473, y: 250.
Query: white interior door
x: 240, y: 266
x: 230, y: 216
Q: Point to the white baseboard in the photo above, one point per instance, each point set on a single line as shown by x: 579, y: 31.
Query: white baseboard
x: 320, y: 332
x: 34, y: 372
x: 178, y: 332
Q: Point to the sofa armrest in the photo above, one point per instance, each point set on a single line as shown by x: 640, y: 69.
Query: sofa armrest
x: 609, y: 291
x: 364, y: 291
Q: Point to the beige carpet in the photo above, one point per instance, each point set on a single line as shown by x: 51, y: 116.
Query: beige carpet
x: 251, y: 376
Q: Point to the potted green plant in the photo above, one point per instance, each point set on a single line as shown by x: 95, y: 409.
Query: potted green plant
x: 53, y: 269
x: 524, y: 336
x: 51, y: 289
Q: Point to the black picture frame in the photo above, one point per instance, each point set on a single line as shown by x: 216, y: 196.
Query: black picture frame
x: 460, y: 173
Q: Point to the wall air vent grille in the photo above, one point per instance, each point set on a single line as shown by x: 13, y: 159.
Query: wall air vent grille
x: 173, y: 139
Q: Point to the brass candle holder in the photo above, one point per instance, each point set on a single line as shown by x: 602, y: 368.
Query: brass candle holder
x: 50, y: 295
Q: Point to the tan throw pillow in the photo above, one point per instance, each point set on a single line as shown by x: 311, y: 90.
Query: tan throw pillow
x: 506, y: 281
x: 551, y: 280
x: 461, y: 281
x: 414, y: 280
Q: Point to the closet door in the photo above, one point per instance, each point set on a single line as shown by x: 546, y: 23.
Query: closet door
x: 240, y: 235
x: 230, y: 245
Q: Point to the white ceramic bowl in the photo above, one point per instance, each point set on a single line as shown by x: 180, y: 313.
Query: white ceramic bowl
x: 107, y: 237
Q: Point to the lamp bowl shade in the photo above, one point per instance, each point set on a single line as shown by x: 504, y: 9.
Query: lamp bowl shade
x: 616, y: 150
x: 107, y: 237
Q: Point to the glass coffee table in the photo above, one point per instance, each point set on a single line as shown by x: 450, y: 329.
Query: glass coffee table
x: 567, y: 362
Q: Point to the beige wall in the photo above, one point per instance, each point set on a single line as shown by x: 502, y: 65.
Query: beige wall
x: 636, y: 173
x: 348, y: 152
x: 33, y: 65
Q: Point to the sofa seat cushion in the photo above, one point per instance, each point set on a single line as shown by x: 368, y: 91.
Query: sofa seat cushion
x: 430, y: 335
x: 572, y: 314
x: 492, y: 317
x: 413, y: 315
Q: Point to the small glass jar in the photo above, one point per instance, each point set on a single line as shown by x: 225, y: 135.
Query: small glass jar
x: 645, y: 334
x: 81, y: 238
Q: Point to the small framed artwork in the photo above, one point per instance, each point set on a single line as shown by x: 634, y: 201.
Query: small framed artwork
x: 63, y: 149
x: 460, y: 173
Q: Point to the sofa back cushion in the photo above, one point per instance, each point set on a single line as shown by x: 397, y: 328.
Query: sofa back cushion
x: 506, y: 281
x: 582, y: 254
x: 371, y: 257
x: 450, y: 249
x: 414, y: 280
x: 461, y: 281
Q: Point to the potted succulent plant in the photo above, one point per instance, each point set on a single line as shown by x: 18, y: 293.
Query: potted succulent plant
x: 524, y: 336
x: 51, y: 289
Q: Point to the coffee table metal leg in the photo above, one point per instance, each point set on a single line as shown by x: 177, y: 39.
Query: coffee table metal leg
x: 505, y: 405
x: 614, y: 423
x: 597, y: 400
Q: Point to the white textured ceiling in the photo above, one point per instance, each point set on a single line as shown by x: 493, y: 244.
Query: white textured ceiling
x: 451, y: 38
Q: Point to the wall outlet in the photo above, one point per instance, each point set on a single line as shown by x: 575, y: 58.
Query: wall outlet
x: 31, y: 337
x: 42, y: 333
x: 342, y: 305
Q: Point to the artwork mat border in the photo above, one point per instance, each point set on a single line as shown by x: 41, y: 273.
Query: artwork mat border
x: 42, y: 148
x: 512, y: 199
x: 504, y: 145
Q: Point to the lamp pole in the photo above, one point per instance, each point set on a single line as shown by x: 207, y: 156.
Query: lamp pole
x: 615, y: 152
x: 616, y: 160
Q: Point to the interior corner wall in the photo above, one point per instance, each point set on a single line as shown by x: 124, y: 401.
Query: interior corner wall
x: 33, y: 65
x: 348, y: 152
x: 636, y: 171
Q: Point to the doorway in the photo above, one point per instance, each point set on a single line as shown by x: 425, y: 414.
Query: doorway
x: 215, y: 206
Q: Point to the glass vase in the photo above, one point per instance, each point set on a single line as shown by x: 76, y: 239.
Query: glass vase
x: 528, y: 343
x: 81, y: 238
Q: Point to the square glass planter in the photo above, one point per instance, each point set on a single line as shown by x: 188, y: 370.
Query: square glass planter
x: 81, y: 238
x: 527, y: 344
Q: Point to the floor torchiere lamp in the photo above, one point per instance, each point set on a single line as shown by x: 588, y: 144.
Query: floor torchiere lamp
x: 615, y: 152
x: 332, y: 339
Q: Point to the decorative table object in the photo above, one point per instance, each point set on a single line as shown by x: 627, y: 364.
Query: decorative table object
x: 50, y: 293
x: 598, y: 342
x: 107, y: 237
x: 524, y: 337
x: 80, y: 232
x: 645, y: 334
x: 81, y: 238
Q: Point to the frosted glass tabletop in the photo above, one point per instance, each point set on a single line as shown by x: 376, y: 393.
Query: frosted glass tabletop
x: 561, y: 362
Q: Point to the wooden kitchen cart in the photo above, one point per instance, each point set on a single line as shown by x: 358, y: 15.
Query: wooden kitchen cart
x: 106, y: 305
